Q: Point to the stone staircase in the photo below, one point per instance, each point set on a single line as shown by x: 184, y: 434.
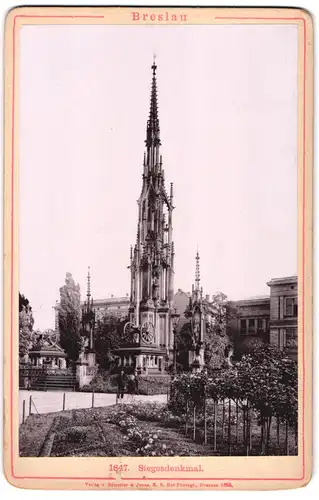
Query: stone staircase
x: 46, y: 381
x: 65, y: 382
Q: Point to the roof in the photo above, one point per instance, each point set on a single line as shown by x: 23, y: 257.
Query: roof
x: 48, y: 351
x: 181, y: 292
x: 259, y: 299
x: 109, y: 301
x: 283, y: 281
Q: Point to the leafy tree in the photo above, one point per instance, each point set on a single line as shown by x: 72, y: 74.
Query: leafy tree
x: 108, y: 338
x: 70, y: 318
x: 217, y: 336
x: 269, y: 381
x: 263, y: 383
x: 183, y: 345
x: 26, y: 323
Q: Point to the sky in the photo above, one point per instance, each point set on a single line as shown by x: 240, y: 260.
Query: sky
x: 227, y: 99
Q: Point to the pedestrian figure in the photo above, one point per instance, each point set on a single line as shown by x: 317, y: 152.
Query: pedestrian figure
x: 131, y: 386
x: 121, y: 385
x: 136, y: 383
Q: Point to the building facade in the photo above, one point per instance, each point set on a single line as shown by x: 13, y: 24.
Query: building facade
x: 250, y: 322
x: 284, y: 314
x: 117, y: 306
x: 272, y: 318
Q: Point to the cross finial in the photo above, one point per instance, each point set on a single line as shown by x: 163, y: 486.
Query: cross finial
x: 154, y: 67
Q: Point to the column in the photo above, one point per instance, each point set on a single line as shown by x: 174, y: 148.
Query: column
x: 166, y: 331
x: 201, y: 333
x: 284, y: 338
x: 166, y: 284
x: 137, y: 295
x: 139, y: 360
x: 281, y: 307
x: 281, y: 338
x: 157, y: 331
x: 161, y: 286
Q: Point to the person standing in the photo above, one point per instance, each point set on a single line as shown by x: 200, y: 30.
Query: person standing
x: 131, y: 386
x: 136, y: 382
x: 121, y: 385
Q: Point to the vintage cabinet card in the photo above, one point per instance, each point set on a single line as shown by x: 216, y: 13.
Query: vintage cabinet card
x: 158, y: 248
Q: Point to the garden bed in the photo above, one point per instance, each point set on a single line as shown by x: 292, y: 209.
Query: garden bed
x: 96, y: 432
x: 139, y: 429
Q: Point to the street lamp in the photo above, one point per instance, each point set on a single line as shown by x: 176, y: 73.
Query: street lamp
x: 175, y: 319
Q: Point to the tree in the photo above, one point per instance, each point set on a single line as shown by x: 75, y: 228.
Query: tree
x: 70, y: 318
x: 26, y: 323
x: 217, y: 337
x: 184, y: 341
x: 269, y: 381
x: 109, y: 335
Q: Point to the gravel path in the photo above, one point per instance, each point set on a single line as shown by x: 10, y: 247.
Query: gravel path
x: 52, y: 401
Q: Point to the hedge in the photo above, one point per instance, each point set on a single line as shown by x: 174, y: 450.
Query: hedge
x: 104, y: 382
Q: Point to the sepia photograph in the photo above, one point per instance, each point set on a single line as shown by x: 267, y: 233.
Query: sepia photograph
x: 158, y: 240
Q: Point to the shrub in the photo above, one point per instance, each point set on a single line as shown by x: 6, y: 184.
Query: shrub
x: 102, y: 382
x: 147, y: 443
x: 153, y: 385
x: 107, y: 382
x: 154, y: 412
x: 146, y: 411
x: 75, y: 435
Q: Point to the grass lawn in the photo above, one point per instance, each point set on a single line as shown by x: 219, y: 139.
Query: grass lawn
x: 33, y: 433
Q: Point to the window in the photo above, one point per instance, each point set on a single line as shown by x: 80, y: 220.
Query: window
x: 260, y: 325
x: 243, y: 327
x: 251, y: 325
x: 291, y: 338
x: 291, y: 306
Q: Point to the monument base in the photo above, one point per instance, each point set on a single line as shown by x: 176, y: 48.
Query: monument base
x: 86, y: 368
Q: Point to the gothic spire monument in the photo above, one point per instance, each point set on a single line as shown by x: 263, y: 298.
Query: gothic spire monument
x: 196, y: 313
x: 148, y: 335
x: 88, y: 316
